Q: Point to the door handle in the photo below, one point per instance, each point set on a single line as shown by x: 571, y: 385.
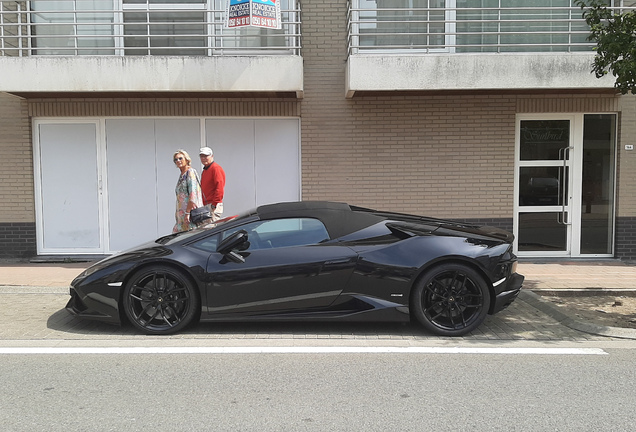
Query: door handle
x: 338, y: 261
x: 562, y: 188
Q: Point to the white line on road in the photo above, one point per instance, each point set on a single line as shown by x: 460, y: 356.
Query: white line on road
x: 301, y: 350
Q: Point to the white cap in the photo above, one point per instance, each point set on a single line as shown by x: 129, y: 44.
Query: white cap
x: 206, y: 151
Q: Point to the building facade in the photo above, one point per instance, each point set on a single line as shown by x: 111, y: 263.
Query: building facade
x: 484, y: 112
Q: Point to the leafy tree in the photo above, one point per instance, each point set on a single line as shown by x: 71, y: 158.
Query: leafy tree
x: 615, y: 36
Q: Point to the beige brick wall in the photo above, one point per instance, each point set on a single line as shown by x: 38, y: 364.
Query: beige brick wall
x: 16, y: 156
x: 627, y: 158
x: 445, y: 156
x: 159, y: 107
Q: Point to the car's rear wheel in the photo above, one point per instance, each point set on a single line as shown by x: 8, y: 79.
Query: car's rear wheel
x: 160, y: 300
x: 451, y: 300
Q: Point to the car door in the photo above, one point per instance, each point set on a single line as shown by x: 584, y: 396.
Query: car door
x: 288, y: 267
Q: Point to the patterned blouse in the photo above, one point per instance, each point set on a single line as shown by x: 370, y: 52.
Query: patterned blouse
x: 188, y: 189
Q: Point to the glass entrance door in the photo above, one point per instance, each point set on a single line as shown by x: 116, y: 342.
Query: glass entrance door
x: 598, y: 175
x: 564, y: 185
x: 544, y: 175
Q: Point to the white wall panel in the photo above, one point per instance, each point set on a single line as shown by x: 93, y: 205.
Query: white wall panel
x: 68, y: 188
x: 142, y: 176
x: 277, y: 155
x: 132, y: 185
x: 233, y: 144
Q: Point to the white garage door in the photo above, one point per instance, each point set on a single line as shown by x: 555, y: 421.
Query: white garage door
x: 117, y: 190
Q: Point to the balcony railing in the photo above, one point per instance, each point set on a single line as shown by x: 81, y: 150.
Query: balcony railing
x: 457, y: 29
x: 133, y: 27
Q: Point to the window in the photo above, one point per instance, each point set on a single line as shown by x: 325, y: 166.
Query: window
x: 466, y: 26
x: 518, y: 26
x: 282, y: 233
x: 73, y: 27
x: 250, y: 37
x: 162, y: 28
x: 153, y: 27
x: 208, y: 244
x: 403, y: 24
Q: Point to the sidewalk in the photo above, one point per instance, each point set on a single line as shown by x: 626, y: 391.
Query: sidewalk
x: 40, y: 275
x: 579, y: 275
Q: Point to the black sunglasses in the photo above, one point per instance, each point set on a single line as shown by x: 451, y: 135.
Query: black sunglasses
x: 177, y: 159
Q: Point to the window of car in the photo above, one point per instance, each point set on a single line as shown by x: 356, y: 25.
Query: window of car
x: 208, y: 244
x: 270, y: 234
x: 279, y: 233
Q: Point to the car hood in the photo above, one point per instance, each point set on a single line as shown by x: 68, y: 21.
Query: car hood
x: 127, y: 258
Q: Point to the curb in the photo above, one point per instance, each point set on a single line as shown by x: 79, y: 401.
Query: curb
x: 28, y: 289
x: 584, y: 292
x: 535, y: 300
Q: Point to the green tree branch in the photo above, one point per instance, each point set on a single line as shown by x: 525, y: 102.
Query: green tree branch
x: 614, y: 35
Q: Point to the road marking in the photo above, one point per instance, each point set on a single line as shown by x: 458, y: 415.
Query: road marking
x: 302, y: 350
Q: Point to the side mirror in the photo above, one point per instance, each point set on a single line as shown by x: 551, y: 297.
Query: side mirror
x: 235, y: 242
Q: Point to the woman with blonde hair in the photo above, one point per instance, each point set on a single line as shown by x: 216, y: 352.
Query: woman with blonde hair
x: 188, y: 191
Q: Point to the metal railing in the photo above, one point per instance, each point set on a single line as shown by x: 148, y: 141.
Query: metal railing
x: 466, y: 30
x: 42, y: 27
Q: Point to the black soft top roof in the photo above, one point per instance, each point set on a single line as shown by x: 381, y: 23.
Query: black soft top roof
x: 339, y: 218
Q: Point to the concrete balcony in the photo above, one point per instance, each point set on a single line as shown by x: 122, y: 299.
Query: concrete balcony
x: 450, y: 46
x: 59, y: 46
x: 473, y: 72
x: 170, y: 74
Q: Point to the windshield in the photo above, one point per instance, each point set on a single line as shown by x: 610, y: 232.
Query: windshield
x: 184, y: 235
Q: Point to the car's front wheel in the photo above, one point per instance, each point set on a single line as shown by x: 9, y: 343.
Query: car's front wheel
x: 160, y: 300
x: 451, y: 300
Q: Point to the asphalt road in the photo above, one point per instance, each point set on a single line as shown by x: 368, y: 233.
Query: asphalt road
x: 530, y: 387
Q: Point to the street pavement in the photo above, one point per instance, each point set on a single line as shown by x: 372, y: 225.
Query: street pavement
x: 34, y: 295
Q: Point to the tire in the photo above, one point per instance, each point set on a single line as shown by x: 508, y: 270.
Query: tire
x: 451, y: 300
x: 160, y: 300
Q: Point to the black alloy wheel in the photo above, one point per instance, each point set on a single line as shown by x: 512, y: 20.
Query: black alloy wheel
x: 160, y: 300
x: 451, y: 300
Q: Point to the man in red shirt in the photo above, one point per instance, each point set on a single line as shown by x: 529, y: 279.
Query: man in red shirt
x: 212, y: 183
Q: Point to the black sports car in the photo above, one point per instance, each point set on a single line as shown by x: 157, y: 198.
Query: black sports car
x: 307, y: 261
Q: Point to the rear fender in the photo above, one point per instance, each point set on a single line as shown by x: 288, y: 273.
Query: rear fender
x: 455, y: 260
